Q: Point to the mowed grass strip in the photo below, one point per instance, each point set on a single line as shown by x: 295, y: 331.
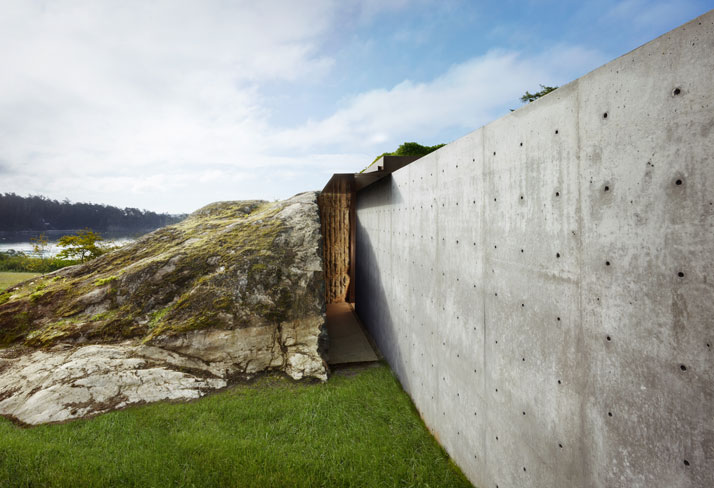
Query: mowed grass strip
x: 356, y: 430
x: 10, y: 278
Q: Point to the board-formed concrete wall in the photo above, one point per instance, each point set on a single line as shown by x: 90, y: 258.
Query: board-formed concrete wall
x: 544, y: 287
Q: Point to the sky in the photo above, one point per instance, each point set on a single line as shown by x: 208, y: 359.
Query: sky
x: 171, y: 105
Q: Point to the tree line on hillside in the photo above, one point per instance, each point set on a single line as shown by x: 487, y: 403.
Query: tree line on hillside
x: 38, y: 213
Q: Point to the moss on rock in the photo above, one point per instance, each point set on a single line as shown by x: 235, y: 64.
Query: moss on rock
x: 230, y: 265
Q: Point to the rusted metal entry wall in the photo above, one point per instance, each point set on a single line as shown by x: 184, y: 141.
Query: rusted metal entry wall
x: 335, y: 210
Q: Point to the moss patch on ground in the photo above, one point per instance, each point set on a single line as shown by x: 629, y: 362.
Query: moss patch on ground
x: 357, y: 430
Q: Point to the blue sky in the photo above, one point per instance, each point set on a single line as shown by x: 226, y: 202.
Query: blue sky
x: 170, y: 105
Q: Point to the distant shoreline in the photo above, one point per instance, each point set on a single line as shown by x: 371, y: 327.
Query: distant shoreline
x: 20, y: 236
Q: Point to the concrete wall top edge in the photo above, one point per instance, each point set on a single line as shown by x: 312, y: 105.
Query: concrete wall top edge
x: 562, y: 92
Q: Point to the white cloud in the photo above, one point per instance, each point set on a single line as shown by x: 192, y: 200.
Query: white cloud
x: 95, y: 88
x: 467, y: 96
x: 161, y: 104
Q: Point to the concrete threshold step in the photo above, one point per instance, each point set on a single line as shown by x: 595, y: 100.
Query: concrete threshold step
x: 348, y: 340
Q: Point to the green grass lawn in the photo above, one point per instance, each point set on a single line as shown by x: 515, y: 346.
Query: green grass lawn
x: 356, y: 430
x: 9, y: 278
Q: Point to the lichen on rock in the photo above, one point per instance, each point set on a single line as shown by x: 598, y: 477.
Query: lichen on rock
x: 237, y: 286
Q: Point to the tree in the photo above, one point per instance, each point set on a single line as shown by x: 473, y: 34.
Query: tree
x: 532, y: 97
x: 83, y: 246
x: 40, y: 245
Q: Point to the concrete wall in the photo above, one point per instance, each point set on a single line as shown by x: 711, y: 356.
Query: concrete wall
x: 544, y: 287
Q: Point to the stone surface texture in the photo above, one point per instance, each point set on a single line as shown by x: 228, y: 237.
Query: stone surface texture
x: 234, y: 290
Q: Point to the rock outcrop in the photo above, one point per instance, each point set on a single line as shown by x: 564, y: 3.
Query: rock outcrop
x: 235, y: 289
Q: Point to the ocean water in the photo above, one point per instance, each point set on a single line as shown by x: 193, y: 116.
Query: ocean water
x: 52, y: 248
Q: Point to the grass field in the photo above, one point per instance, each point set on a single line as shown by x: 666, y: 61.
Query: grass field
x: 356, y: 430
x: 9, y: 278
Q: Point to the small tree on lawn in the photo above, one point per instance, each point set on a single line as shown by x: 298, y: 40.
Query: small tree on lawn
x: 83, y: 246
x: 40, y: 245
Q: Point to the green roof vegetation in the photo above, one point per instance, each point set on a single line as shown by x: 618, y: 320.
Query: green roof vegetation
x: 408, y: 149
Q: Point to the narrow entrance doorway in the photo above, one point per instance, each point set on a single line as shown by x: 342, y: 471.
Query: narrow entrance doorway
x: 348, y: 343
